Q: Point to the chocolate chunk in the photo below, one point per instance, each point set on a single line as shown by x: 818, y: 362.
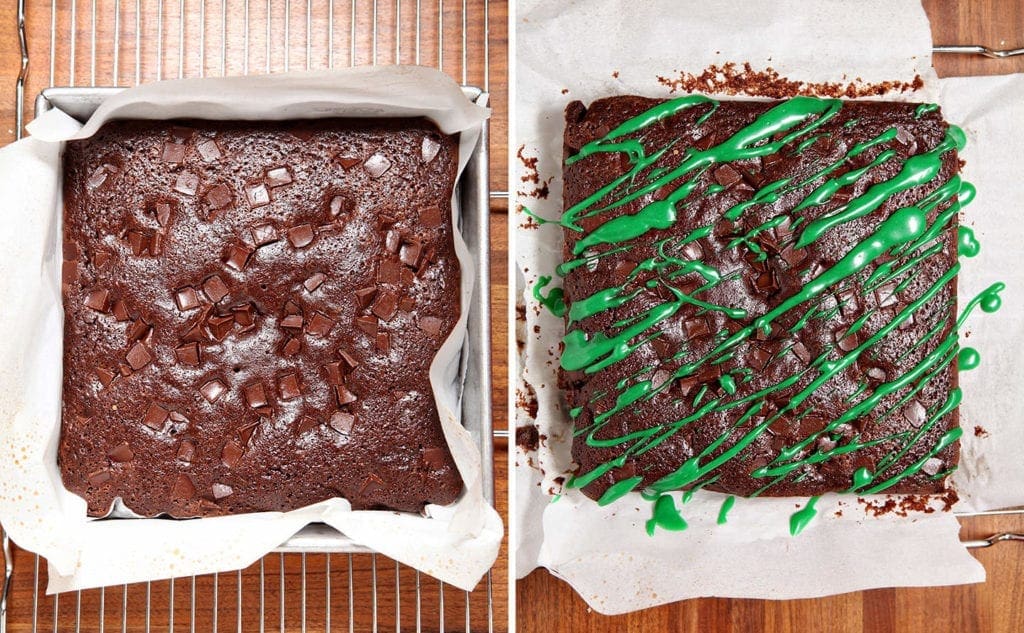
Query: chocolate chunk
x: 314, y: 281
x: 885, y: 294
x: 105, y: 376
x: 244, y: 315
x: 877, y: 374
x: 301, y: 236
x: 187, y: 298
x: 306, y: 423
x: 767, y: 283
x: 246, y: 432
x: 800, y: 351
x: 124, y: 370
x: 288, y: 386
x: 425, y: 260
x: 263, y: 234
x: 97, y: 300
x: 350, y: 361
x: 291, y: 347
x: 155, y: 416
x: 431, y: 325
x: 99, y: 477
x: 237, y: 256
x: 793, y: 257
x: 342, y: 422
x: 915, y: 413
x: 139, y: 242
x: 367, y: 324
x: 173, y: 153
x: 221, y: 491
x: 186, y: 451
x: 213, y: 390
x: 385, y: 306
x: 215, y: 288
x: 434, y: 457
x: 219, y: 196
x: 208, y: 150
x: 343, y: 395
x: 138, y: 357
x: 101, y: 259
x: 121, y: 453
x: 335, y: 376
x: 340, y: 205
x: 120, y: 311
x: 99, y: 176
x: 406, y: 304
x: 726, y: 176
x: 384, y: 342
x: 348, y: 162
x: 392, y: 241
x: 220, y: 326
x: 257, y: 195
x: 430, y: 217
x: 365, y: 296
x: 292, y: 322
x: 319, y: 324
x: 138, y: 329
x: 846, y: 342
x: 183, y: 488
x: 187, y: 183
x: 377, y: 165
x: 932, y: 466
x: 410, y: 254
x: 278, y: 177
x: 231, y: 454
x: 429, y: 148
x: 696, y: 328
x: 389, y: 272
x: 68, y: 275
x: 255, y: 395
x: 849, y: 305
x: 760, y: 357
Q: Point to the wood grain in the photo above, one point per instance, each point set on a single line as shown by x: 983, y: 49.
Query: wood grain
x: 546, y: 604
x: 385, y: 31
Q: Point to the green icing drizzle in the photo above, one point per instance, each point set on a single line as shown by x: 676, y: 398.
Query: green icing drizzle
x: 924, y: 109
x: 666, y: 516
x: 554, y: 301
x: 668, y: 180
x: 802, y: 517
x: 723, y: 512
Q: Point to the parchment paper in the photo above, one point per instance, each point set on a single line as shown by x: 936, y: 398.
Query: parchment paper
x: 457, y: 543
x: 604, y: 47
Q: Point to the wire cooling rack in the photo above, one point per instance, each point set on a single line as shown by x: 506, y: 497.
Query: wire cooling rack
x: 127, y: 42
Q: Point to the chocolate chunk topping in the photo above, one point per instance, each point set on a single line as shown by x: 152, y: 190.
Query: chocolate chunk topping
x: 291, y: 347
x: 231, y: 454
x: 213, y: 390
x: 215, y: 288
x: 187, y: 183
x: 350, y: 362
x: 392, y: 240
x: 257, y: 195
x: 365, y: 296
x: 885, y: 294
x: 237, y: 256
x: 221, y: 491
x: 186, y: 298
x: 306, y: 423
x: 342, y: 422
x: 314, y: 281
x: 430, y: 217
x: 292, y: 322
x: 186, y: 451
x: 367, y: 324
x: 288, y: 386
x: 183, y: 488
x: 208, y: 150
x: 173, y: 153
x: 319, y: 324
x: 429, y: 148
x: 431, y: 325
x: 99, y: 477
x: 696, y: 328
x: 389, y: 272
x: 97, y: 300
x: 915, y: 413
x: 800, y: 351
x: 277, y: 177
x: 105, y: 376
x: 301, y: 236
x: 377, y: 165
x: 384, y: 342
x: 343, y: 395
x: 255, y: 395
x: 138, y: 356
x: 121, y: 454
x: 155, y: 416
x: 264, y: 234
x: 385, y: 306
x: 347, y: 162
x: 726, y: 176
x: 219, y: 196
x: 410, y: 254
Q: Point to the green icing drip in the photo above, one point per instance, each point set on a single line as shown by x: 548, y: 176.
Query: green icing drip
x: 924, y: 109
x: 968, y: 359
x: 554, y: 301
x: 802, y: 517
x: 666, y: 516
x: 723, y: 512
x: 967, y: 245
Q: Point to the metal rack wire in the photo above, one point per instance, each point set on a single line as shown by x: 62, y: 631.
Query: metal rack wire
x: 126, y: 42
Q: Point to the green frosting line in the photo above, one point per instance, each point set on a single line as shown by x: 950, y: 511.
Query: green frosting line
x: 554, y: 301
x: 968, y: 359
x: 967, y: 245
x: 666, y: 516
x: 802, y: 517
x: 723, y: 512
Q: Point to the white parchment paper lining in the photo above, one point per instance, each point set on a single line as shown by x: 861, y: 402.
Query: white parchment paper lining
x: 604, y: 47
x: 457, y: 543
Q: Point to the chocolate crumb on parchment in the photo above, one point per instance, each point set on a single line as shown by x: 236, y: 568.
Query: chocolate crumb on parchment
x: 979, y: 431
x: 732, y: 79
x: 540, y: 187
x: 903, y: 505
x: 527, y: 438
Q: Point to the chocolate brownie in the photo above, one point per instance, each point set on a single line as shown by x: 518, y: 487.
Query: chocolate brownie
x: 761, y: 296
x: 251, y: 312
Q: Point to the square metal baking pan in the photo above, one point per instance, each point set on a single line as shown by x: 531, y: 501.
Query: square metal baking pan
x: 475, y: 360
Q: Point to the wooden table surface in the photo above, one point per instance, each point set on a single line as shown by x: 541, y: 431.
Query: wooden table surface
x: 547, y: 605
x: 468, y: 44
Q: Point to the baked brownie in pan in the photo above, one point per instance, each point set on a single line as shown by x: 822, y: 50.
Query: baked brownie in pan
x: 761, y: 296
x: 251, y: 311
